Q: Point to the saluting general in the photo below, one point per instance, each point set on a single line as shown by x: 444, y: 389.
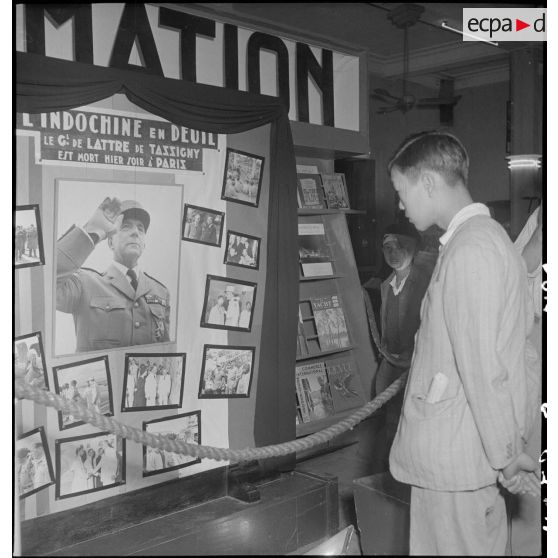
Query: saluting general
x: 124, y: 305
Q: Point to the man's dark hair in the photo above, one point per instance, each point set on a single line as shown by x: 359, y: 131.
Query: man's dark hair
x: 436, y: 151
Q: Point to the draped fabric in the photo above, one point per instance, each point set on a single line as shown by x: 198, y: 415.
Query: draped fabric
x: 46, y: 84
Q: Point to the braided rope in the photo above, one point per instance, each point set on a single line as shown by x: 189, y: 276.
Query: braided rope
x: 24, y: 390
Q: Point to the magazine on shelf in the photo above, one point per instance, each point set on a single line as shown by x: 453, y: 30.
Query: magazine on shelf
x: 313, y: 250
x: 330, y: 322
x: 307, y: 169
x: 335, y: 191
x: 345, y: 385
x: 310, y: 191
x: 313, y: 392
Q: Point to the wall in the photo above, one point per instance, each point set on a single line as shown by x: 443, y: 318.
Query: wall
x: 479, y: 121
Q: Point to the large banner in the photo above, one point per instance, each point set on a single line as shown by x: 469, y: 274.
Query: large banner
x: 114, y: 139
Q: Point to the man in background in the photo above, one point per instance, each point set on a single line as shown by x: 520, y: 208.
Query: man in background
x: 402, y: 293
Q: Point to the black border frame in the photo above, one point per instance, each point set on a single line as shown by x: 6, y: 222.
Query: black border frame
x: 206, y: 347
x: 34, y: 206
x: 41, y: 431
x: 57, y: 445
x: 205, y: 210
x: 175, y: 467
x: 260, y: 178
x: 40, y: 337
x: 249, y: 237
x: 208, y: 280
x: 127, y: 356
x: 55, y: 370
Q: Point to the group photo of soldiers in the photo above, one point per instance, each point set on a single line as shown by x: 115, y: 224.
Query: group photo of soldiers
x: 243, y: 177
x: 228, y: 305
x: 28, y: 248
x: 203, y: 225
x: 33, y: 467
x: 227, y: 372
x: 185, y: 428
x: 84, y: 382
x: 153, y: 381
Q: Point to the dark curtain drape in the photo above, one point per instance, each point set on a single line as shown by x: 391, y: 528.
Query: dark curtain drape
x: 46, y: 84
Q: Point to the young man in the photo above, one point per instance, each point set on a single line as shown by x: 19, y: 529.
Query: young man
x: 465, y: 407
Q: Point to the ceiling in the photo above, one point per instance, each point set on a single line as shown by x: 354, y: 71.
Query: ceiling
x: 364, y: 26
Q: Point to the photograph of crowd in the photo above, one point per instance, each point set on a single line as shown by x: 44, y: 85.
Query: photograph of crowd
x: 226, y: 371
x: 243, y: 177
x: 33, y: 467
x: 89, y: 463
x: 228, y: 303
x: 202, y: 225
x: 29, y: 360
x: 185, y: 428
x: 28, y: 237
x: 88, y: 382
x: 242, y: 250
x: 153, y: 381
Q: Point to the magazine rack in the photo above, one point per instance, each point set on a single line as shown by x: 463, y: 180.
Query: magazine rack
x: 347, y: 366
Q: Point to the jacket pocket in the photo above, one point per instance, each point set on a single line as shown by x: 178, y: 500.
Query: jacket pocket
x: 106, y: 303
x: 425, y: 410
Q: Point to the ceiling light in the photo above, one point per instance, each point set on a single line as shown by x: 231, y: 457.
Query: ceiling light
x: 531, y: 161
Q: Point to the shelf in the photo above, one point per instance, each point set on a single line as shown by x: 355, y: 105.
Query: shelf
x: 324, y: 353
x: 320, y: 277
x: 320, y: 211
x: 306, y: 428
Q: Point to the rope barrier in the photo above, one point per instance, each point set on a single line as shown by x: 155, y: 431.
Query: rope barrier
x: 24, y: 390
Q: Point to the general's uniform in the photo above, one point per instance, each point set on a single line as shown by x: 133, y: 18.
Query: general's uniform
x: 107, y: 312
x: 475, y: 319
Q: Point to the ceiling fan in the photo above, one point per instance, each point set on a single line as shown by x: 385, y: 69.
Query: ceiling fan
x: 403, y: 17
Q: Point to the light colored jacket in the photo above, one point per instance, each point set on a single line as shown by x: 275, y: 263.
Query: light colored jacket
x: 475, y: 319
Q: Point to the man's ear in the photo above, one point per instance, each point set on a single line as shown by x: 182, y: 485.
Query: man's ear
x: 109, y: 241
x: 428, y: 182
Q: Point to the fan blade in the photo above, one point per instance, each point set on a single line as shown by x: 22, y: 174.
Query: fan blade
x: 385, y: 93
x: 437, y: 101
x: 383, y: 110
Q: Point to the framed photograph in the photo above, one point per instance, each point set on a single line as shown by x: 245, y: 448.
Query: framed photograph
x: 242, y: 250
x: 28, y: 237
x: 226, y: 372
x: 228, y: 303
x: 29, y: 360
x: 97, y: 306
x: 242, y: 180
x: 89, y: 463
x: 153, y: 381
x: 202, y: 225
x: 87, y: 381
x: 186, y: 428
x: 33, y: 467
